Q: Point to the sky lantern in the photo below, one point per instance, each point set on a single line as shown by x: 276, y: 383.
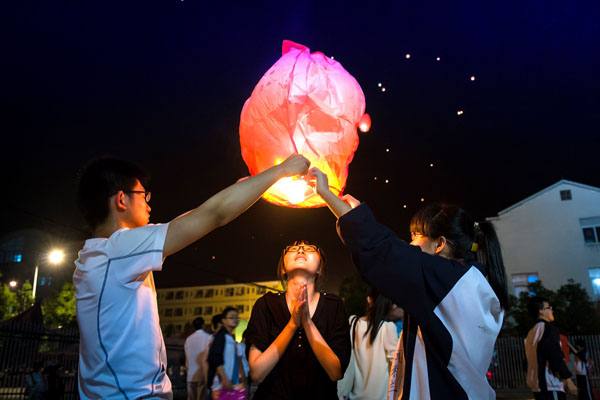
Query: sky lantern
x: 305, y: 103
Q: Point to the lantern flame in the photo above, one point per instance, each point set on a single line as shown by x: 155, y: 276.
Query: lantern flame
x: 365, y: 123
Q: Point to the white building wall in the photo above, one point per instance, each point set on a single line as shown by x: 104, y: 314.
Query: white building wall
x: 542, y: 235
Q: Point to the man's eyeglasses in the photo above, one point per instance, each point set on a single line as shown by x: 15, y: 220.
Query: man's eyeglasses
x: 146, y: 193
x: 547, y: 308
x: 305, y: 247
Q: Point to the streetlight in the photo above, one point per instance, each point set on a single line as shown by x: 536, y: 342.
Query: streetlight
x: 55, y: 256
x: 12, y: 284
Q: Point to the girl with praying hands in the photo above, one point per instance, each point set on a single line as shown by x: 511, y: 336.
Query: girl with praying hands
x: 298, y: 341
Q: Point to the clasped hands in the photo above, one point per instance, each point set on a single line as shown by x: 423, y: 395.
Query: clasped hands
x: 300, y: 310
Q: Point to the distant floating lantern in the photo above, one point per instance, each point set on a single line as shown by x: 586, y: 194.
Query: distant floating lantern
x: 438, y: 59
x: 383, y: 89
x: 379, y: 84
x: 459, y: 112
x: 305, y: 103
x: 422, y: 199
x: 472, y: 77
x: 365, y: 123
x: 387, y: 181
x: 405, y: 206
x: 431, y: 165
x: 407, y: 55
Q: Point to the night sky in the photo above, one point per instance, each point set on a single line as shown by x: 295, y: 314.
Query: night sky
x: 163, y: 84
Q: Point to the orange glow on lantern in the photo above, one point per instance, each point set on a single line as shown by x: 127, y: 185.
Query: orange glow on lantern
x: 309, y: 104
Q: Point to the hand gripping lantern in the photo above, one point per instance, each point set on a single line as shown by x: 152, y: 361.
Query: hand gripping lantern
x: 305, y: 103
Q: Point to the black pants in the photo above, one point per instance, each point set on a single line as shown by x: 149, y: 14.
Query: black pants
x: 550, y: 396
x: 583, y: 386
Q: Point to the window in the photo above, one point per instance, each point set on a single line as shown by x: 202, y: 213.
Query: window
x: 521, y: 282
x: 240, y: 308
x: 169, y: 296
x: 199, y: 293
x: 42, y: 281
x: 178, y: 312
x: 208, y: 310
x: 209, y: 293
x: 198, y: 311
x: 18, y: 258
x: 179, y: 294
x: 594, y: 274
x: 591, y: 229
x: 168, y: 312
x: 177, y: 328
x: 239, y: 291
x: 261, y: 290
x: 565, y: 195
x: 228, y: 292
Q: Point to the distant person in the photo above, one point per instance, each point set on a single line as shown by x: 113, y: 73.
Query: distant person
x: 374, y: 340
x: 122, y: 352
x: 397, y: 317
x: 547, y: 373
x: 451, y: 283
x: 582, y: 372
x: 216, y: 323
x: 36, y: 384
x: 227, y: 369
x: 298, y: 341
x: 196, y: 360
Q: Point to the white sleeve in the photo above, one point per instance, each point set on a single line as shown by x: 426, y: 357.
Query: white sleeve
x: 137, y: 251
x: 390, y: 341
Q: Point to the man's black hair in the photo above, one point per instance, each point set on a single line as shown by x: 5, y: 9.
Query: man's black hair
x: 198, y: 323
x: 227, y: 310
x: 536, y: 303
x: 101, y: 179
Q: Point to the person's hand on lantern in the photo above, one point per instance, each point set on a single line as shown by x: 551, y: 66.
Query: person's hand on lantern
x: 322, y: 184
x: 295, y: 164
x: 337, y: 206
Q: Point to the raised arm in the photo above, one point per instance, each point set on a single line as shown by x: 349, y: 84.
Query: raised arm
x: 226, y: 205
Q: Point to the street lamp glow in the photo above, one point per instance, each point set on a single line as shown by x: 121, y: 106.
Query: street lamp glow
x: 12, y: 284
x: 56, y: 256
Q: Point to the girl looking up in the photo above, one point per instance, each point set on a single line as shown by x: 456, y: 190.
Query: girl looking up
x: 451, y: 283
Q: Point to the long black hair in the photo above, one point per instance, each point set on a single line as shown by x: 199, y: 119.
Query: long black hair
x: 468, y: 240
x: 377, y: 313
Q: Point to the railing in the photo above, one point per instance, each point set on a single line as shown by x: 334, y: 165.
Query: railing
x: 25, y: 348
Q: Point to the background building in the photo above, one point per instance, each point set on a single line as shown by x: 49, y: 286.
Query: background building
x: 553, y: 236
x: 177, y: 307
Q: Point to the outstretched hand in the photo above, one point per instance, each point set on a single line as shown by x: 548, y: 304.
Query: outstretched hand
x: 295, y: 164
x: 322, y: 180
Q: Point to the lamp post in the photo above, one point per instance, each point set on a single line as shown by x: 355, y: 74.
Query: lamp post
x: 54, y: 257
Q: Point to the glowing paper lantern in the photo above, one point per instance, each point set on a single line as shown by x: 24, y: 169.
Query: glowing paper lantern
x: 305, y: 103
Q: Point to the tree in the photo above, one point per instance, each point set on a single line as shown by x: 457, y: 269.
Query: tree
x: 8, y: 302
x: 24, y: 297
x: 59, y: 309
x: 354, y: 291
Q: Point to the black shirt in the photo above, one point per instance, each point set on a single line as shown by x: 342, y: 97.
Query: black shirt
x: 298, y: 374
